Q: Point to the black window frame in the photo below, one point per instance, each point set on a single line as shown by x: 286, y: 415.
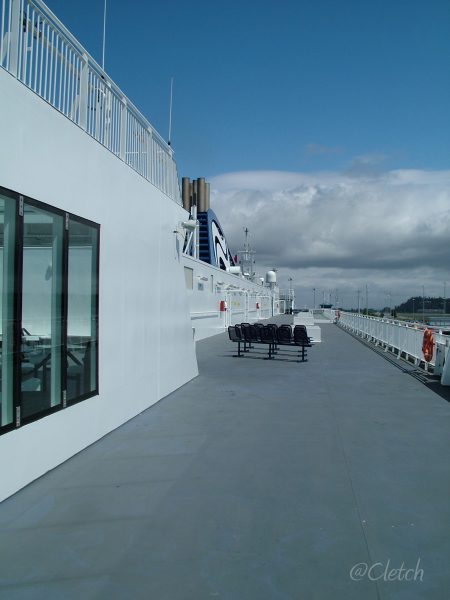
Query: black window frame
x: 21, y: 199
x: 89, y: 223
x: 17, y: 338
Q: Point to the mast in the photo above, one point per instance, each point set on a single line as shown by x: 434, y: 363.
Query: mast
x: 104, y: 36
x: 246, y: 257
x: 170, y: 111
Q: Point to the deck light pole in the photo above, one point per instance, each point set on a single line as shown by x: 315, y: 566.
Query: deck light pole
x: 414, y: 312
x: 314, y: 297
x: 423, y: 304
x: 290, y: 295
x: 445, y: 298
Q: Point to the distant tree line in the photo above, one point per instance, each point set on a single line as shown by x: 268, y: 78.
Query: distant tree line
x: 415, y: 304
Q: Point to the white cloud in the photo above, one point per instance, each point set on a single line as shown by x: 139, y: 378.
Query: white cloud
x: 331, y: 230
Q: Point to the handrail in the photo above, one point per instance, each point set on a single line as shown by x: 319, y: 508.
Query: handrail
x: 403, y: 339
x: 38, y: 50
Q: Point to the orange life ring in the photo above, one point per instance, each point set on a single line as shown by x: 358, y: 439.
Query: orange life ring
x: 428, y: 344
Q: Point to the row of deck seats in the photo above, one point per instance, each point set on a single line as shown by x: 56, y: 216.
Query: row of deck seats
x: 272, y: 336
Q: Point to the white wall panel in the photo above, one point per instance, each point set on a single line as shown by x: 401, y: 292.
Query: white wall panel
x: 144, y: 315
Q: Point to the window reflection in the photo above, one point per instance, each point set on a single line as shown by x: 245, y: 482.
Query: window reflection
x: 48, y: 309
x: 41, y: 359
x: 82, y: 310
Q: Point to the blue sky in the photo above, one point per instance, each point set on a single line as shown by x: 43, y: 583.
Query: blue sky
x: 289, y: 85
x: 323, y: 126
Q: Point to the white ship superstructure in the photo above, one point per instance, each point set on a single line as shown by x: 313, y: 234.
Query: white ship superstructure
x: 99, y: 300
x: 220, y: 290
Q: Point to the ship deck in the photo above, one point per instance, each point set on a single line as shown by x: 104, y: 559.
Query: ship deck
x: 265, y: 480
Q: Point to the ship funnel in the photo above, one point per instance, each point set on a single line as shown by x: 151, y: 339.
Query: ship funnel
x: 186, y: 193
x: 194, y: 195
x: 208, y: 195
x: 201, y: 191
x: 196, y: 192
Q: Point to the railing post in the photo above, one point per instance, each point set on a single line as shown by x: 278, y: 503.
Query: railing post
x: 107, y: 115
x: 84, y: 92
x: 445, y: 377
x: 13, y: 41
x: 172, y: 176
x: 439, y: 359
x: 123, y: 129
x: 149, y: 153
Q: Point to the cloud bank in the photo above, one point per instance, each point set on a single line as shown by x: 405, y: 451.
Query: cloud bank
x: 388, y: 230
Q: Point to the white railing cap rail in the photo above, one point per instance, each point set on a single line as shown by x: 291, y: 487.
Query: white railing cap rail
x: 400, y: 323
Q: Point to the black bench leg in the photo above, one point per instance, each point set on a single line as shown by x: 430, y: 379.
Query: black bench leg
x: 239, y: 354
x: 303, y: 354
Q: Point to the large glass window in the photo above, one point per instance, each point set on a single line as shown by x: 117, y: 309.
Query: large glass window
x: 48, y: 309
x: 82, y: 310
x: 42, y: 311
x: 8, y: 212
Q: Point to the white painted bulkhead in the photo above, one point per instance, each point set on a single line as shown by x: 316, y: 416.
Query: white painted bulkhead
x: 144, y: 320
x: 208, y: 287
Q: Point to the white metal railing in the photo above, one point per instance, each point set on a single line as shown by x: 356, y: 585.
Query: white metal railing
x: 287, y: 294
x: 403, y: 339
x: 327, y: 313
x: 39, y: 51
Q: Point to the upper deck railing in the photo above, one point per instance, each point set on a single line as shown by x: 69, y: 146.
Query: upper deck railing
x: 403, y: 339
x: 39, y: 51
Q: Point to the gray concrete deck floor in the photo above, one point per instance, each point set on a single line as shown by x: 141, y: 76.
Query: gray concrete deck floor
x: 264, y: 480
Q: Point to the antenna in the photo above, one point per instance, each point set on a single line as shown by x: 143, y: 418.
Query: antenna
x: 246, y: 247
x: 104, y: 36
x: 246, y: 257
x: 170, y: 109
